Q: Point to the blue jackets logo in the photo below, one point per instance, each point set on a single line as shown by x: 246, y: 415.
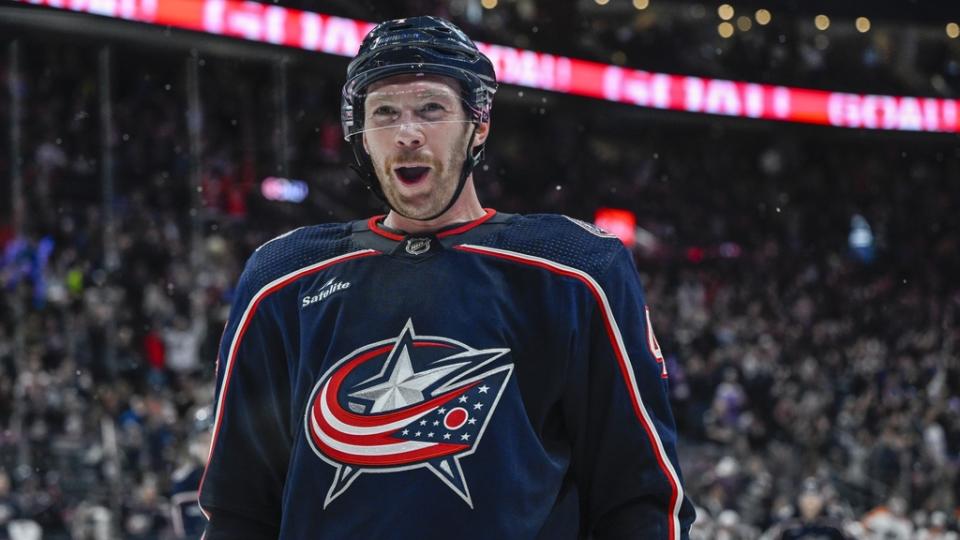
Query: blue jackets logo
x: 326, y: 290
x: 405, y: 403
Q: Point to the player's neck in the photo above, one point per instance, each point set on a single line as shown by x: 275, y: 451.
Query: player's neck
x: 467, y: 208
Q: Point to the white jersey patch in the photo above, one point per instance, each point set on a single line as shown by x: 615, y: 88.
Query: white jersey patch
x: 591, y: 228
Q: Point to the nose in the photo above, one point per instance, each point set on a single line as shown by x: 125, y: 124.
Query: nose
x: 409, y: 134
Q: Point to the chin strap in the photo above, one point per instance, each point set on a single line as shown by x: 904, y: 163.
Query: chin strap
x: 365, y: 170
x: 469, y: 162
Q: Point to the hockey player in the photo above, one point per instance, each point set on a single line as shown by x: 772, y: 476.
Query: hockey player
x: 443, y: 370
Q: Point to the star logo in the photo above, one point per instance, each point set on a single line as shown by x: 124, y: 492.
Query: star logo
x: 403, y: 387
x: 364, y: 413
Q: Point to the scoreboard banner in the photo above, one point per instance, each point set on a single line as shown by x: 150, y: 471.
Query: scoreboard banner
x: 310, y: 31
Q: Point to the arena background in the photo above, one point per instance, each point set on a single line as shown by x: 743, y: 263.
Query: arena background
x: 799, y: 249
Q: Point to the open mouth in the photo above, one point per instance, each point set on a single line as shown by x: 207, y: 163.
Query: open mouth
x: 411, y: 175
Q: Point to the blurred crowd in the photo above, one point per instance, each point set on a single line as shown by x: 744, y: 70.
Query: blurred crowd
x: 806, y: 357
x: 815, y: 384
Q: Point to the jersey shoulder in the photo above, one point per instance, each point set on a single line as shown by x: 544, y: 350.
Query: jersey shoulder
x: 559, y: 239
x: 295, y: 250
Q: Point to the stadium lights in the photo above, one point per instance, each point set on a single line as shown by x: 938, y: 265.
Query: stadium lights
x: 284, y: 189
x: 763, y: 17
x: 322, y: 33
x: 725, y: 11
x: 744, y: 23
x: 822, y: 22
x: 641, y: 4
x: 619, y: 222
x: 863, y: 24
x: 725, y: 30
x: 953, y: 30
x: 488, y: 4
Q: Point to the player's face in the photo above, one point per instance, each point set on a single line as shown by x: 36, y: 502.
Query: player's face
x: 416, y: 132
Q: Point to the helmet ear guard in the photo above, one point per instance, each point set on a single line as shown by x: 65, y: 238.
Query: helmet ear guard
x: 417, y: 45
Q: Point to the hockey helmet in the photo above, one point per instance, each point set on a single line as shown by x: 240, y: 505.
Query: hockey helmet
x: 416, y: 45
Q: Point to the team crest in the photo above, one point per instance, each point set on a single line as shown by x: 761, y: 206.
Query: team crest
x: 405, y: 403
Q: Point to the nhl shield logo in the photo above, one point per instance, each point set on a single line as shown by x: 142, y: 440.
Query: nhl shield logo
x: 418, y: 246
x: 405, y: 403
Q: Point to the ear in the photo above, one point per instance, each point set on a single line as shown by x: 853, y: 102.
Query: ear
x: 366, y: 147
x: 481, y: 133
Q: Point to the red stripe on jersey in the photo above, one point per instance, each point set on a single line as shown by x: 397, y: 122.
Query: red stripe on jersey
x: 622, y: 361
x: 467, y: 226
x: 375, y: 227
x: 248, y: 314
x: 438, y: 450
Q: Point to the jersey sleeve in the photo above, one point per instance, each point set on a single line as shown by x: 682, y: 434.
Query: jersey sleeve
x: 250, y: 447
x: 625, y: 436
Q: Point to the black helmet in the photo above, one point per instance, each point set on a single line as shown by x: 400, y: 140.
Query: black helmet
x: 423, y: 44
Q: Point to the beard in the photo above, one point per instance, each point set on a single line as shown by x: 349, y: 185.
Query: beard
x: 430, y: 195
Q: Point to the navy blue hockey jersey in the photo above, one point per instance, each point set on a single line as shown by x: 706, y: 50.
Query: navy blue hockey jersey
x: 496, y: 379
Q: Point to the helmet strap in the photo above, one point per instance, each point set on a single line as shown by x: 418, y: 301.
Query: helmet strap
x: 468, y: 163
x: 365, y: 170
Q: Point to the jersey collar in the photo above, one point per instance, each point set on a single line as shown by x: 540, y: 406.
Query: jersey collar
x: 377, y: 227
